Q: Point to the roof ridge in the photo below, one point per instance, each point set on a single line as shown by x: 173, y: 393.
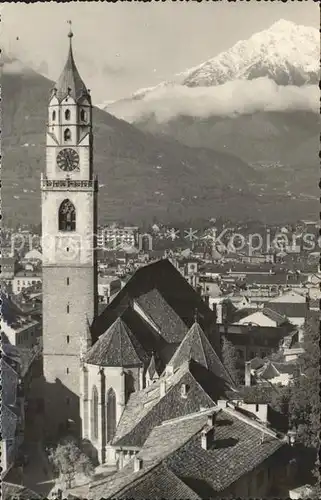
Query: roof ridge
x: 130, y: 334
x: 247, y: 420
x: 199, y: 413
x: 201, y: 334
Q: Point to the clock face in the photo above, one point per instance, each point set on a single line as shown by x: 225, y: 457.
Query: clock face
x: 68, y: 159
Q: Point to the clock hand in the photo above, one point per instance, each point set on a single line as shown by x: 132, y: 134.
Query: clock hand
x: 68, y: 160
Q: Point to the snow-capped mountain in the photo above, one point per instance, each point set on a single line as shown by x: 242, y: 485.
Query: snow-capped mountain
x: 287, y: 53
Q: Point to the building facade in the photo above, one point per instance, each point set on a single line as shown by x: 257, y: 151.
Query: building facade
x: 69, y: 197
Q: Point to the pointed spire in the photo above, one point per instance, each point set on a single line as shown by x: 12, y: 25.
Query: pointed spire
x: 196, y: 316
x: 70, y: 82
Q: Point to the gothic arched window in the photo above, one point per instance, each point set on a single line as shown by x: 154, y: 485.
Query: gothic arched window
x: 67, y: 216
x: 67, y: 135
x: 53, y: 115
x: 83, y: 115
x: 67, y: 114
x: 129, y: 384
x: 94, y: 413
x: 111, y: 414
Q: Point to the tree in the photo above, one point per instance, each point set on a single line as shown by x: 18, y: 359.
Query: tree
x: 68, y: 460
x: 229, y: 358
x: 304, y: 403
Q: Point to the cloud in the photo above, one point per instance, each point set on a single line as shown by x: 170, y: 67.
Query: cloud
x: 14, y: 67
x: 231, y: 98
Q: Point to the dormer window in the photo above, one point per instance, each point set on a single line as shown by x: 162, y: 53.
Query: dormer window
x: 53, y: 116
x: 67, y: 114
x: 67, y: 135
x: 83, y: 115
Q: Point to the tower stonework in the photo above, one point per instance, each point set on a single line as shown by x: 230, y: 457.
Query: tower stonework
x: 69, y: 207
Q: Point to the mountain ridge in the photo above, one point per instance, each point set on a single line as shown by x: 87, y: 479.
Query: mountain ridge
x: 141, y: 176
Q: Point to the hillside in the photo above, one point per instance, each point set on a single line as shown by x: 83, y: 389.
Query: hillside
x: 283, y: 145
x: 141, y: 176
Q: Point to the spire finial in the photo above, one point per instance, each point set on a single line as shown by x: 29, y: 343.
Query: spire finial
x: 70, y: 34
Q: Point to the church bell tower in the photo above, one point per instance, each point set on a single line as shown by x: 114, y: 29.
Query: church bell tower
x: 69, y: 200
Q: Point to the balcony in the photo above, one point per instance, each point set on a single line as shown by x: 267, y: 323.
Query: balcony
x: 68, y: 184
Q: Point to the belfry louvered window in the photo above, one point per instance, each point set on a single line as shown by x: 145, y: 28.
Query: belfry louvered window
x: 67, y: 216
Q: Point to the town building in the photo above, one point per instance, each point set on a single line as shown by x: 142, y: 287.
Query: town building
x: 18, y: 327
x: 108, y: 287
x: 197, y: 456
x: 16, y: 375
x: 117, y: 237
x: 24, y: 279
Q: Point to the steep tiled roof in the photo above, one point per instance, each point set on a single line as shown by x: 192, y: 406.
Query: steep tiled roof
x: 9, y: 310
x: 158, y: 483
x: 274, y: 316
x: 146, y: 409
x: 167, y: 321
x: 196, y: 346
x: 236, y: 448
x: 289, y: 310
x: 8, y: 422
x: 70, y: 81
x: 117, y: 347
x: 9, y: 382
x: 19, y: 358
x: 11, y: 491
x: 156, y: 448
x: 170, y: 284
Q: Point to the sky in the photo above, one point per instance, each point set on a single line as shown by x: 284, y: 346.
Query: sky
x: 122, y: 47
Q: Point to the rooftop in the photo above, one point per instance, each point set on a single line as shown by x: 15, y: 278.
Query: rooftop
x: 238, y: 446
x: 70, y: 82
x: 117, y: 347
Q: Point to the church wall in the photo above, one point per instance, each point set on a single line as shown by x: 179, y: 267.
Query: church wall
x: 115, y: 378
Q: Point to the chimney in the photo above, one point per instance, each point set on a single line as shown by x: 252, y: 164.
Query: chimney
x: 211, y: 419
x: 247, y: 373
x: 204, y: 439
x: 169, y: 369
x: 222, y: 403
x: 207, y: 438
x: 162, y: 389
x: 138, y: 464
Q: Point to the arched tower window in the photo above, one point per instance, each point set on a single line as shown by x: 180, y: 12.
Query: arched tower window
x: 67, y: 216
x: 83, y: 115
x: 53, y: 115
x: 67, y: 135
x: 67, y: 114
x: 111, y: 414
x: 94, y: 414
